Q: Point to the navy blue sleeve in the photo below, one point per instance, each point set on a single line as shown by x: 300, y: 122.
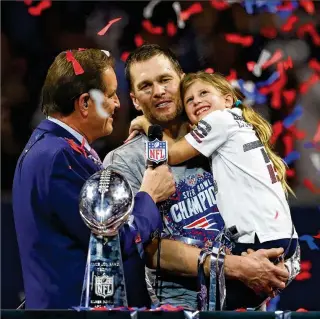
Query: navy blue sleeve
x: 145, y: 221
x: 65, y: 183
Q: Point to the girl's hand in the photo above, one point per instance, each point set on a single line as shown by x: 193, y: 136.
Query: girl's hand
x: 137, y: 125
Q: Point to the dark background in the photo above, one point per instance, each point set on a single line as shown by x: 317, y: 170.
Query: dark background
x: 30, y: 43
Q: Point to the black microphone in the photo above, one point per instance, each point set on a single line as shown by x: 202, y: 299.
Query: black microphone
x: 156, y: 149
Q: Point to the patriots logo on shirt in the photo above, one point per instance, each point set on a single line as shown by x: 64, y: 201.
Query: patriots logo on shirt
x: 206, y: 222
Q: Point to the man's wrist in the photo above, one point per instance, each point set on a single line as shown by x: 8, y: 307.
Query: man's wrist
x: 233, y: 267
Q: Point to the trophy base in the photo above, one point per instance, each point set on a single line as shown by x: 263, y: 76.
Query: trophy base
x: 104, y: 283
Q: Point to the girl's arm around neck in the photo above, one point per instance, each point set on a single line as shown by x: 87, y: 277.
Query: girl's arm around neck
x: 179, y: 151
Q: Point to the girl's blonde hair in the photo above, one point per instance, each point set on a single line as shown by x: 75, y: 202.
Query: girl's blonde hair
x: 262, y: 128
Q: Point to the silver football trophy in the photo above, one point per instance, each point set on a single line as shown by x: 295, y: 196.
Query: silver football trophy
x: 106, y: 201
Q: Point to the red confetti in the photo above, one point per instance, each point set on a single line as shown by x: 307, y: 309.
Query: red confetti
x: 314, y: 64
x: 124, y: 56
x: 288, y: 26
x: 285, y: 65
x: 75, y: 64
x: 307, y: 5
x: 171, y: 29
x: 313, y: 188
x: 209, y: 70
x: 137, y: 239
x: 269, y: 32
x: 250, y: 65
x: 290, y: 172
x: 277, y: 214
x: 277, y: 56
x: 241, y: 310
x: 288, y: 144
x: 138, y: 40
x: 232, y: 76
x: 317, y: 236
x: 193, y: 9
x: 309, y: 28
x: 305, y: 271
x: 301, y: 310
x: 303, y: 276
x: 275, y: 88
x: 277, y: 129
x: 37, y: 10
x: 276, y: 99
x: 304, y: 86
x: 300, y: 135
x: 76, y: 147
x: 246, y: 41
x: 27, y: 2
x: 306, y: 265
x: 106, y: 28
x: 220, y: 4
x: 316, y: 137
x: 147, y: 25
x: 289, y: 96
x: 285, y: 6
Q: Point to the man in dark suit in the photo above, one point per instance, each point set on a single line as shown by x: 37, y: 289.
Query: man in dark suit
x: 79, y: 99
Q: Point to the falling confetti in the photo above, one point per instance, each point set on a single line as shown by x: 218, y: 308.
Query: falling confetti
x: 308, y: 183
x: 288, y: 26
x: 220, y: 4
x: 147, y: 25
x: 291, y: 157
x: 39, y: 8
x: 193, y: 9
x: 263, y: 58
x: 98, y: 98
x: 171, y: 29
x: 245, y: 41
x: 106, y: 28
x: 138, y: 40
x: 315, y: 65
x: 308, y: 6
x: 209, y: 70
x: 316, y: 137
x: 180, y: 18
x: 148, y: 10
x: 309, y: 28
x: 310, y: 242
x: 293, y: 117
x: 315, y: 159
x: 305, y: 86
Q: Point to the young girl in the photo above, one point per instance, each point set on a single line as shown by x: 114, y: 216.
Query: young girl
x: 250, y: 177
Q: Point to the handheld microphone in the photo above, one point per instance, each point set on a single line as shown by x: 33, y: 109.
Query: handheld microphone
x: 156, y: 149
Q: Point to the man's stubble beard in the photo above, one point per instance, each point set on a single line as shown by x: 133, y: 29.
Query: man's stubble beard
x: 167, y: 120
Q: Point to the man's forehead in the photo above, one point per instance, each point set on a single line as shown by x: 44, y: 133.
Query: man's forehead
x: 152, y: 68
x: 110, y: 79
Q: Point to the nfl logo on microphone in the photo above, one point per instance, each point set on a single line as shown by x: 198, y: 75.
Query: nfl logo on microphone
x: 157, y: 151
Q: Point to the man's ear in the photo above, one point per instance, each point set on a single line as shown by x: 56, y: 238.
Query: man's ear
x: 135, y: 102
x: 82, y: 104
x: 182, y: 76
x: 228, y: 101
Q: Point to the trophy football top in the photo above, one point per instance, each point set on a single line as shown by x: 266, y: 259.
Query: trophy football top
x: 106, y: 201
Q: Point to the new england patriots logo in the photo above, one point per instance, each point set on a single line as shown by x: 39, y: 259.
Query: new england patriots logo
x: 206, y: 222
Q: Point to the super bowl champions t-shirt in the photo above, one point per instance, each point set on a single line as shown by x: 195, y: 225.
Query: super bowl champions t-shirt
x: 249, y: 195
x: 191, y: 212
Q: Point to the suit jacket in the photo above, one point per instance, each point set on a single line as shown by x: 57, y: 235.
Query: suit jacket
x: 53, y: 240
